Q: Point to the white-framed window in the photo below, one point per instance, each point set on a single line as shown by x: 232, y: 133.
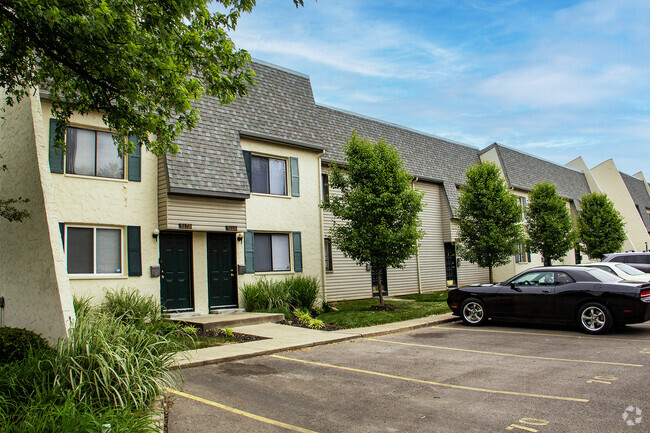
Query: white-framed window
x: 92, y: 153
x: 523, y: 254
x: 326, y: 188
x: 268, y: 175
x: 522, y: 205
x: 94, y: 250
x: 272, y: 252
x: 329, y: 267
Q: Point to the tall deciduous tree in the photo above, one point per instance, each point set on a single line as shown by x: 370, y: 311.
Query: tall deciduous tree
x: 489, y: 218
x: 141, y: 63
x: 600, y: 226
x: 377, y: 211
x: 548, y: 223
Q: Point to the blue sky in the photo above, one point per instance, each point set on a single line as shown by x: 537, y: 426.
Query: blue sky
x: 557, y: 79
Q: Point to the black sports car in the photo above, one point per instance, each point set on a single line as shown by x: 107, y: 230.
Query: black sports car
x: 590, y: 297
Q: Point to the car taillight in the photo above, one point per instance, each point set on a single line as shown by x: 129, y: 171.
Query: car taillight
x: 645, y: 293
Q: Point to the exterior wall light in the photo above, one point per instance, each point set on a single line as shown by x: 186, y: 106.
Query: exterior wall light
x: 155, y: 234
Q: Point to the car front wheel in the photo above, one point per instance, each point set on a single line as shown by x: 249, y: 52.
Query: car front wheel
x: 473, y: 311
x: 594, y: 318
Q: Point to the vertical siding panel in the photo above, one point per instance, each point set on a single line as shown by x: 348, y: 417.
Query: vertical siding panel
x: 432, y: 249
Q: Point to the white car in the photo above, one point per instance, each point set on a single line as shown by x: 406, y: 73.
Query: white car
x: 621, y: 270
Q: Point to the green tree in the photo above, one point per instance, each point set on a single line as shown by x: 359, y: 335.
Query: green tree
x: 377, y: 211
x: 548, y: 223
x: 600, y: 226
x: 489, y: 218
x: 141, y: 63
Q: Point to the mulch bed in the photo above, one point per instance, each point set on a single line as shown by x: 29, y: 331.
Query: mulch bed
x: 327, y: 327
x: 240, y: 338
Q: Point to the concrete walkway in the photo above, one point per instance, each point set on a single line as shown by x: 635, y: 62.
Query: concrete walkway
x: 284, y: 337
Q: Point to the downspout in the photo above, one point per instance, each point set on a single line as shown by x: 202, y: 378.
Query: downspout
x: 322, y: 228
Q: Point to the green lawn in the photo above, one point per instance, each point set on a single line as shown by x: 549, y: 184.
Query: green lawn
x: 201, y: 341
x: 357, y: 314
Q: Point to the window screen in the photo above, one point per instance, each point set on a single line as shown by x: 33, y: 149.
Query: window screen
x: 79, y: 249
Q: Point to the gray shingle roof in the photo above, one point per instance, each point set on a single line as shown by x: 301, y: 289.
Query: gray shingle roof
x: 523, y: 171
x: 425, y: 156
x: 210, y: 162
x: 640, y: 196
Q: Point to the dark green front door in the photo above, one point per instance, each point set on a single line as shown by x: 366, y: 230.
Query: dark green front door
x: 175, y: 270
x: 222, y: 266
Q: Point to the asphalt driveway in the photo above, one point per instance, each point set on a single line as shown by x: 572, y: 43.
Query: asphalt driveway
x: 449, y: 378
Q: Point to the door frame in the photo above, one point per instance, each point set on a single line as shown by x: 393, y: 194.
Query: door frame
x: 235, y: 282
x: 190, y: 276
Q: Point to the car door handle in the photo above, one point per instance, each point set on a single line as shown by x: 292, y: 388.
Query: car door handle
x: 546, y: 291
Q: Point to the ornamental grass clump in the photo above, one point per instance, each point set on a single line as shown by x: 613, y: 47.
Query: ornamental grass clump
x: 303, y: 291
x: 265, y: 295
x: 294, y: 292
x: 109, y: 362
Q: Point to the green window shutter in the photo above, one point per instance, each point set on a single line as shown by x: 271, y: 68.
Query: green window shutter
x: 134, y: 251
x: 247, y: 163
x: 135, y: 160
x: 56, y: 155
x: 297, y: 252
x: 62, y: 230
x: 249, y: 252
x: 295, y: 178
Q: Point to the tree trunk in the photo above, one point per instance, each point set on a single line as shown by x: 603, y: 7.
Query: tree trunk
x: 490, y: 268
x: 379, y: 286
x: 547, y: 262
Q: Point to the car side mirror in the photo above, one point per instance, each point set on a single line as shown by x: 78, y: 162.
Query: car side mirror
x: 515, y: 288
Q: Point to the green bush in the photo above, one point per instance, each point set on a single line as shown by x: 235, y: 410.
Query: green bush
x: 109, y: 362
x: 144, y: 312
x: 16, y: 343
x: 295, y: 292
x: 265, y: 294
x: 303, y: 291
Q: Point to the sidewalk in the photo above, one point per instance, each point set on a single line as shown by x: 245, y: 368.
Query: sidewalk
x: 284, y: 337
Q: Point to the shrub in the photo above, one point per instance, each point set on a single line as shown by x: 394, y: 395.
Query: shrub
x: 302, y: 316
x: 265, y: 295
x: 110, y: 362
x: 316, y: 324
x: 144, y: 312
x: 16, y: 343
x: 303, y: 291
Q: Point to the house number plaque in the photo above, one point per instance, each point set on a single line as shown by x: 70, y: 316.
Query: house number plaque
x: 185, y: 226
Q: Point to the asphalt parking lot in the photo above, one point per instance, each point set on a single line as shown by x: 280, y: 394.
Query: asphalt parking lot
x: 448, y: 378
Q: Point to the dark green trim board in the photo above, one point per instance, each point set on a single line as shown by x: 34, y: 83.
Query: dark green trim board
x: 247, y: 163
x: 135, y: 160
x: 56, y: 155
x: 62, y: 230
x: 295, y: 177
x: 249, y: 251
x: 134, y: 251
x: 297, y: 252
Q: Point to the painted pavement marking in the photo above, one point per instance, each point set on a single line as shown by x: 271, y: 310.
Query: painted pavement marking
x: 446, y: 385
x: 240, y: 412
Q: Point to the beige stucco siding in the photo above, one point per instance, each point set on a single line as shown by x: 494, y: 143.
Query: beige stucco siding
x: 96, y: 201
x: 287, y: 214
x: 611, y: 183
x: 432, y: 251
x: 32, y: 264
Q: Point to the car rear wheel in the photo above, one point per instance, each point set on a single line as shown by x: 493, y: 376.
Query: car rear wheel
x: 473, y: 311
x: 594, y: 318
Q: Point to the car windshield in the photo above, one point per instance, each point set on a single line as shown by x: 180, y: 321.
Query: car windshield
x: 603, y: 276
x: 629, y: 269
